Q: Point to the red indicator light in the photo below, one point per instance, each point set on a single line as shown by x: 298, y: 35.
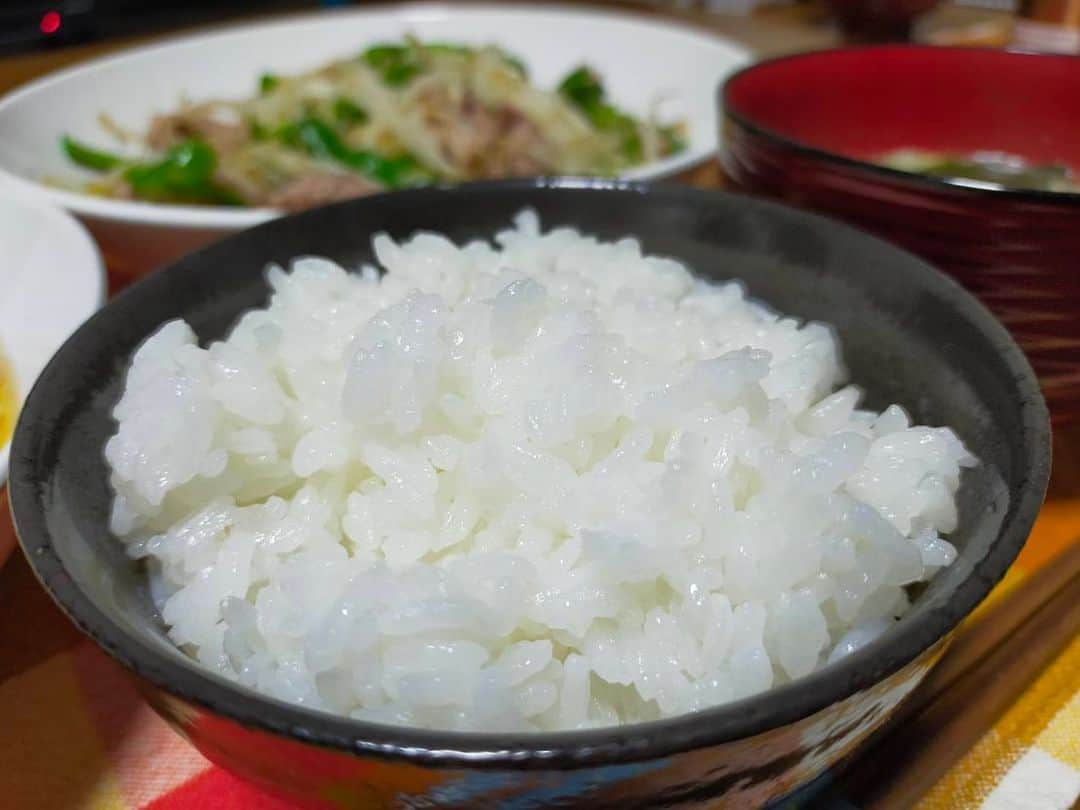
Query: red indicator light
x: 50, y: 22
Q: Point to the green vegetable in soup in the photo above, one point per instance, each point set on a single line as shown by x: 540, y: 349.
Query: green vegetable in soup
x: 1000, y: 169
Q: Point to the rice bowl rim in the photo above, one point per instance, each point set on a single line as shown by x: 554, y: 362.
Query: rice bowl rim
x: 183, y: 678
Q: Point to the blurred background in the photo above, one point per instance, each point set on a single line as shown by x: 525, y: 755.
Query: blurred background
x: 38, y: 26
x: 26, y: 26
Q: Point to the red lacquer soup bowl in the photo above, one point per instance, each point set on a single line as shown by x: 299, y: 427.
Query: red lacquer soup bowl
x: 806, y: 129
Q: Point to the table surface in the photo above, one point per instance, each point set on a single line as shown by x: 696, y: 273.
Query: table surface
x: 32, y: 630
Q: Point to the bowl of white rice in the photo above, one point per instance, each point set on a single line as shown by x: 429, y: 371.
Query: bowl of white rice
x: 532, y: 493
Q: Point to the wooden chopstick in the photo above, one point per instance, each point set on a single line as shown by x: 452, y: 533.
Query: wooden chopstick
x: 989, y: 666
x: 987, y: 631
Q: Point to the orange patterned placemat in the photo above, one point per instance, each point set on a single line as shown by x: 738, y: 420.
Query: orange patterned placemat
x: 75, y: 734
x: 1030, y: 758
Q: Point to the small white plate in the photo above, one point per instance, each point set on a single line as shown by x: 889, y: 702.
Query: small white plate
x: 644, y: 61
x: 51, y: 280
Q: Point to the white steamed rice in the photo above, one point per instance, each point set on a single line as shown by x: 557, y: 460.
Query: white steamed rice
x: 547, y: 484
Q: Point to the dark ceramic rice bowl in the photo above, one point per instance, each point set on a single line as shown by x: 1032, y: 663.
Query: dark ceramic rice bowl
x: 909, y: 335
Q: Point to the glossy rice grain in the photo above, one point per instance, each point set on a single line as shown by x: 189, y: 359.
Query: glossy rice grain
x: 542, y: 483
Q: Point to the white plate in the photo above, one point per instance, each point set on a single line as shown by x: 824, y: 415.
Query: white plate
x: 643, y: 61
x: 51, y: 280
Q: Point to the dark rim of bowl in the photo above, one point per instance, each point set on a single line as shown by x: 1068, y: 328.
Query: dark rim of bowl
x: 173, y: 674
x: 951, y: 185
